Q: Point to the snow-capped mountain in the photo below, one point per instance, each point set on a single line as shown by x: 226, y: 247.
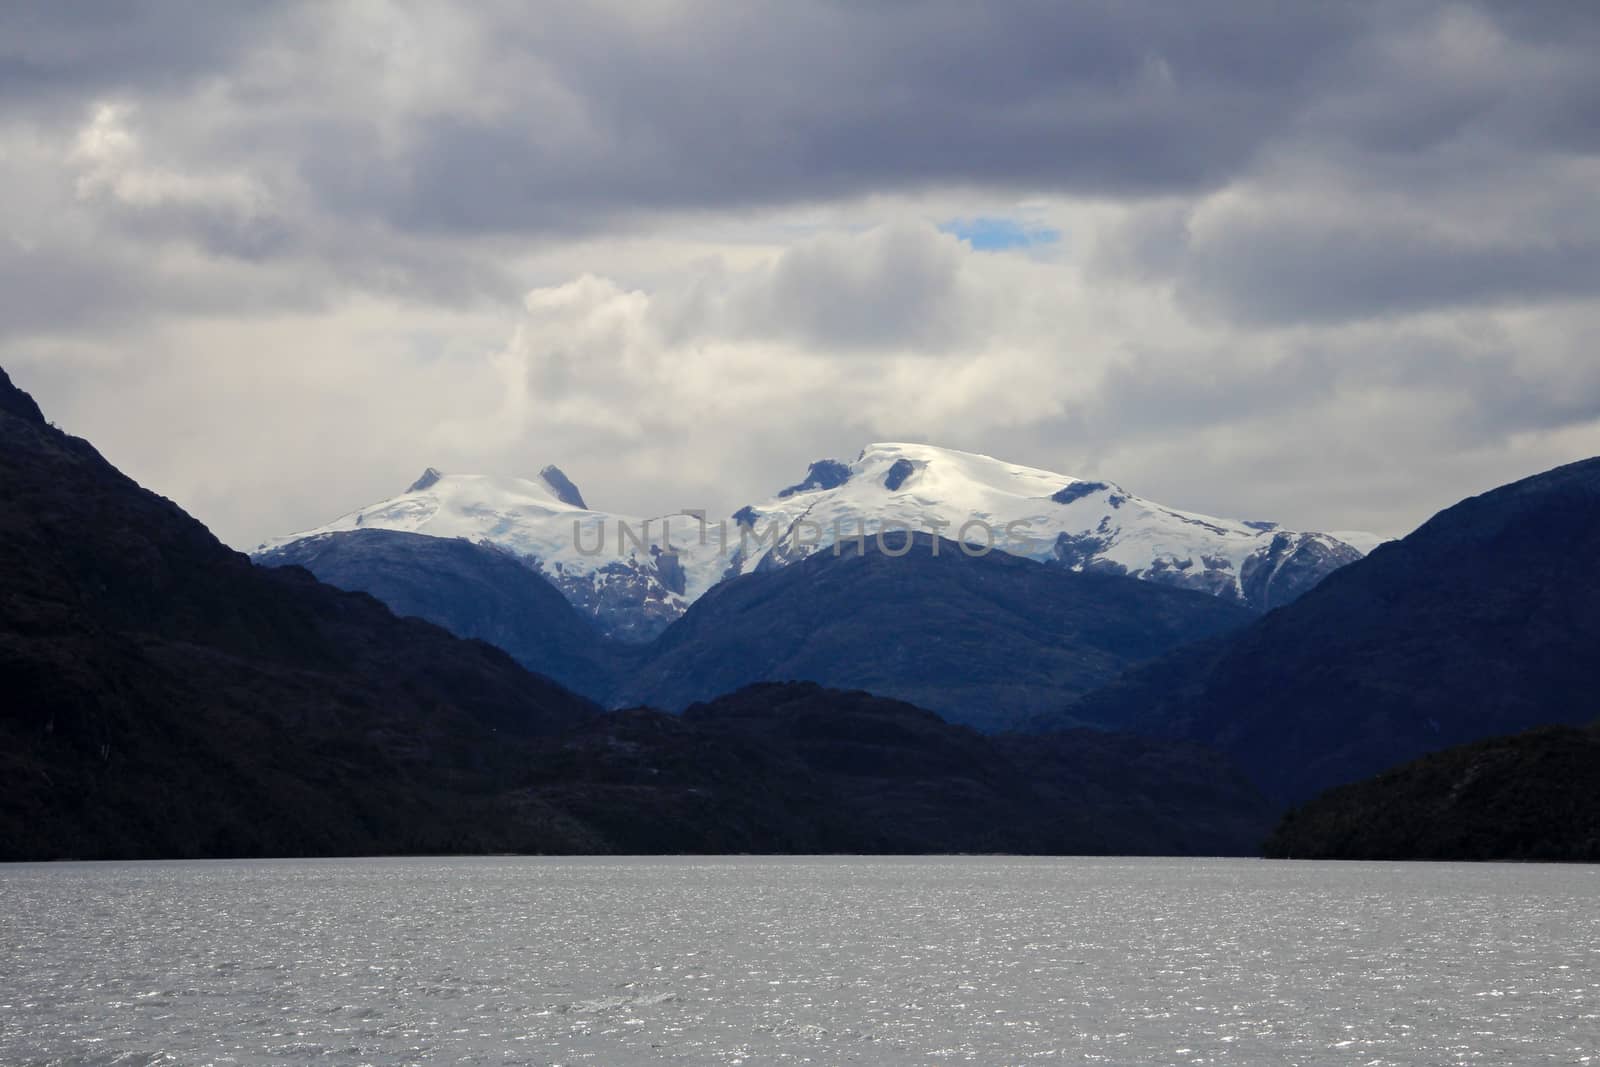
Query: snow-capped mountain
x: 626, y: 572
x: 634, y: 575
x: 1055, y: 518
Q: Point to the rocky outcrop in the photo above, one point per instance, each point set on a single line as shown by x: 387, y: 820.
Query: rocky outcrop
x: 823, y: 474
x: 562, y: 486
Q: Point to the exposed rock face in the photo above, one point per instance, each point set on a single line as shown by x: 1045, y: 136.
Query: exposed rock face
x: 1077, y: 491
x: 823, y: 474
x: 899, y: 471
x: 629, y: 600
x: 1081, y: 552
x: 426, y: 480
x: 1289, y: 567
x: 562, y: 486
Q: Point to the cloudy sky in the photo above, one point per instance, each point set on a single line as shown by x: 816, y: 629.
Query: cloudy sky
x: 1335, y: 265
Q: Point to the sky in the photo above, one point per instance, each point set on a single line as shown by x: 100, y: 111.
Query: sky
x: 1334, y: 265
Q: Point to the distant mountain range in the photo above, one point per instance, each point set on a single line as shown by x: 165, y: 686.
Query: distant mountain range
x: 1483, y: 622
x: 983, y: 640
x: 166, y: 698
x: 633, y: 576
x: 1084, y: 580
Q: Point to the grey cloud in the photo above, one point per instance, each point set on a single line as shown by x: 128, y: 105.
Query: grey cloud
x: 57, y: 56
x: 763, y: 103
x: 563, y: 120
x: 901, y: 286
x: 1473, y: 387
x: 1283, y: 272
x: 67, y: 287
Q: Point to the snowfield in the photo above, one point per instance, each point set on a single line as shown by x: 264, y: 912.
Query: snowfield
x: 615, y: 565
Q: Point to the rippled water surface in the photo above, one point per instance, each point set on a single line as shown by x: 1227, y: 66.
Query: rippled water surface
x: 821, y: 961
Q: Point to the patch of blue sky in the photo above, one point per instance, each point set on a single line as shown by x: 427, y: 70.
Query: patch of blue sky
x: 994, y: 234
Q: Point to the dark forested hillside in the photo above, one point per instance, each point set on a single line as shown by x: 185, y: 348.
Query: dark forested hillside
x: 797, y: 767
x: 988, y: 641
x: 1532, y: 796
x: 1482, y: 622
x: 472, y: 590
x: 163, y: 696
x: 984, y: 641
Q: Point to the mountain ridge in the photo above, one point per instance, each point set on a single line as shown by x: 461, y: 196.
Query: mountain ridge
x: 1480, y: 623
x: 166, y: 698
x: 983, y: 640
x: 634, y: 575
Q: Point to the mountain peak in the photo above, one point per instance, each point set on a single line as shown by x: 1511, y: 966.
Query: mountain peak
x: 429, y: 478
x: 16, y: 402
x: 562, y: 487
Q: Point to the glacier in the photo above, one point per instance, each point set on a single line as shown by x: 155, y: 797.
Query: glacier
x: 632, y: 575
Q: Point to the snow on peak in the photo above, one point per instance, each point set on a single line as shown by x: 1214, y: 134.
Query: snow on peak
x: 608, y: 565
x: 613, y: 563
x: 1360, y: 540
x: 1028, y: 511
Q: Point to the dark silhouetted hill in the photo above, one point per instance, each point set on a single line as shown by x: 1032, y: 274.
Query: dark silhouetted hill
x: 165, y: 697
x: 985, y: 641
x: 800, y: 768
x: 472, y: 590
x: 1532, y: 796
x: 1483, y: 622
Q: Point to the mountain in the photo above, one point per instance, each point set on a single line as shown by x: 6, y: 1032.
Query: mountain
x: 1532, y: 796
x: 612, y: 568
x: 475, y: 590
x: 1482, y: 622
x: 984, y: 641
x: 1091, y: 526
x: 165, y: 697
x: 632, y: 576
x: 800, y: 768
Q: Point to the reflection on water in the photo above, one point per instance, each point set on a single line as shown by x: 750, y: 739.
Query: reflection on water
x: 813, y: 960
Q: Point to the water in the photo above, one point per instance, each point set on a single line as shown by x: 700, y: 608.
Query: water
x: 798, y: 961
